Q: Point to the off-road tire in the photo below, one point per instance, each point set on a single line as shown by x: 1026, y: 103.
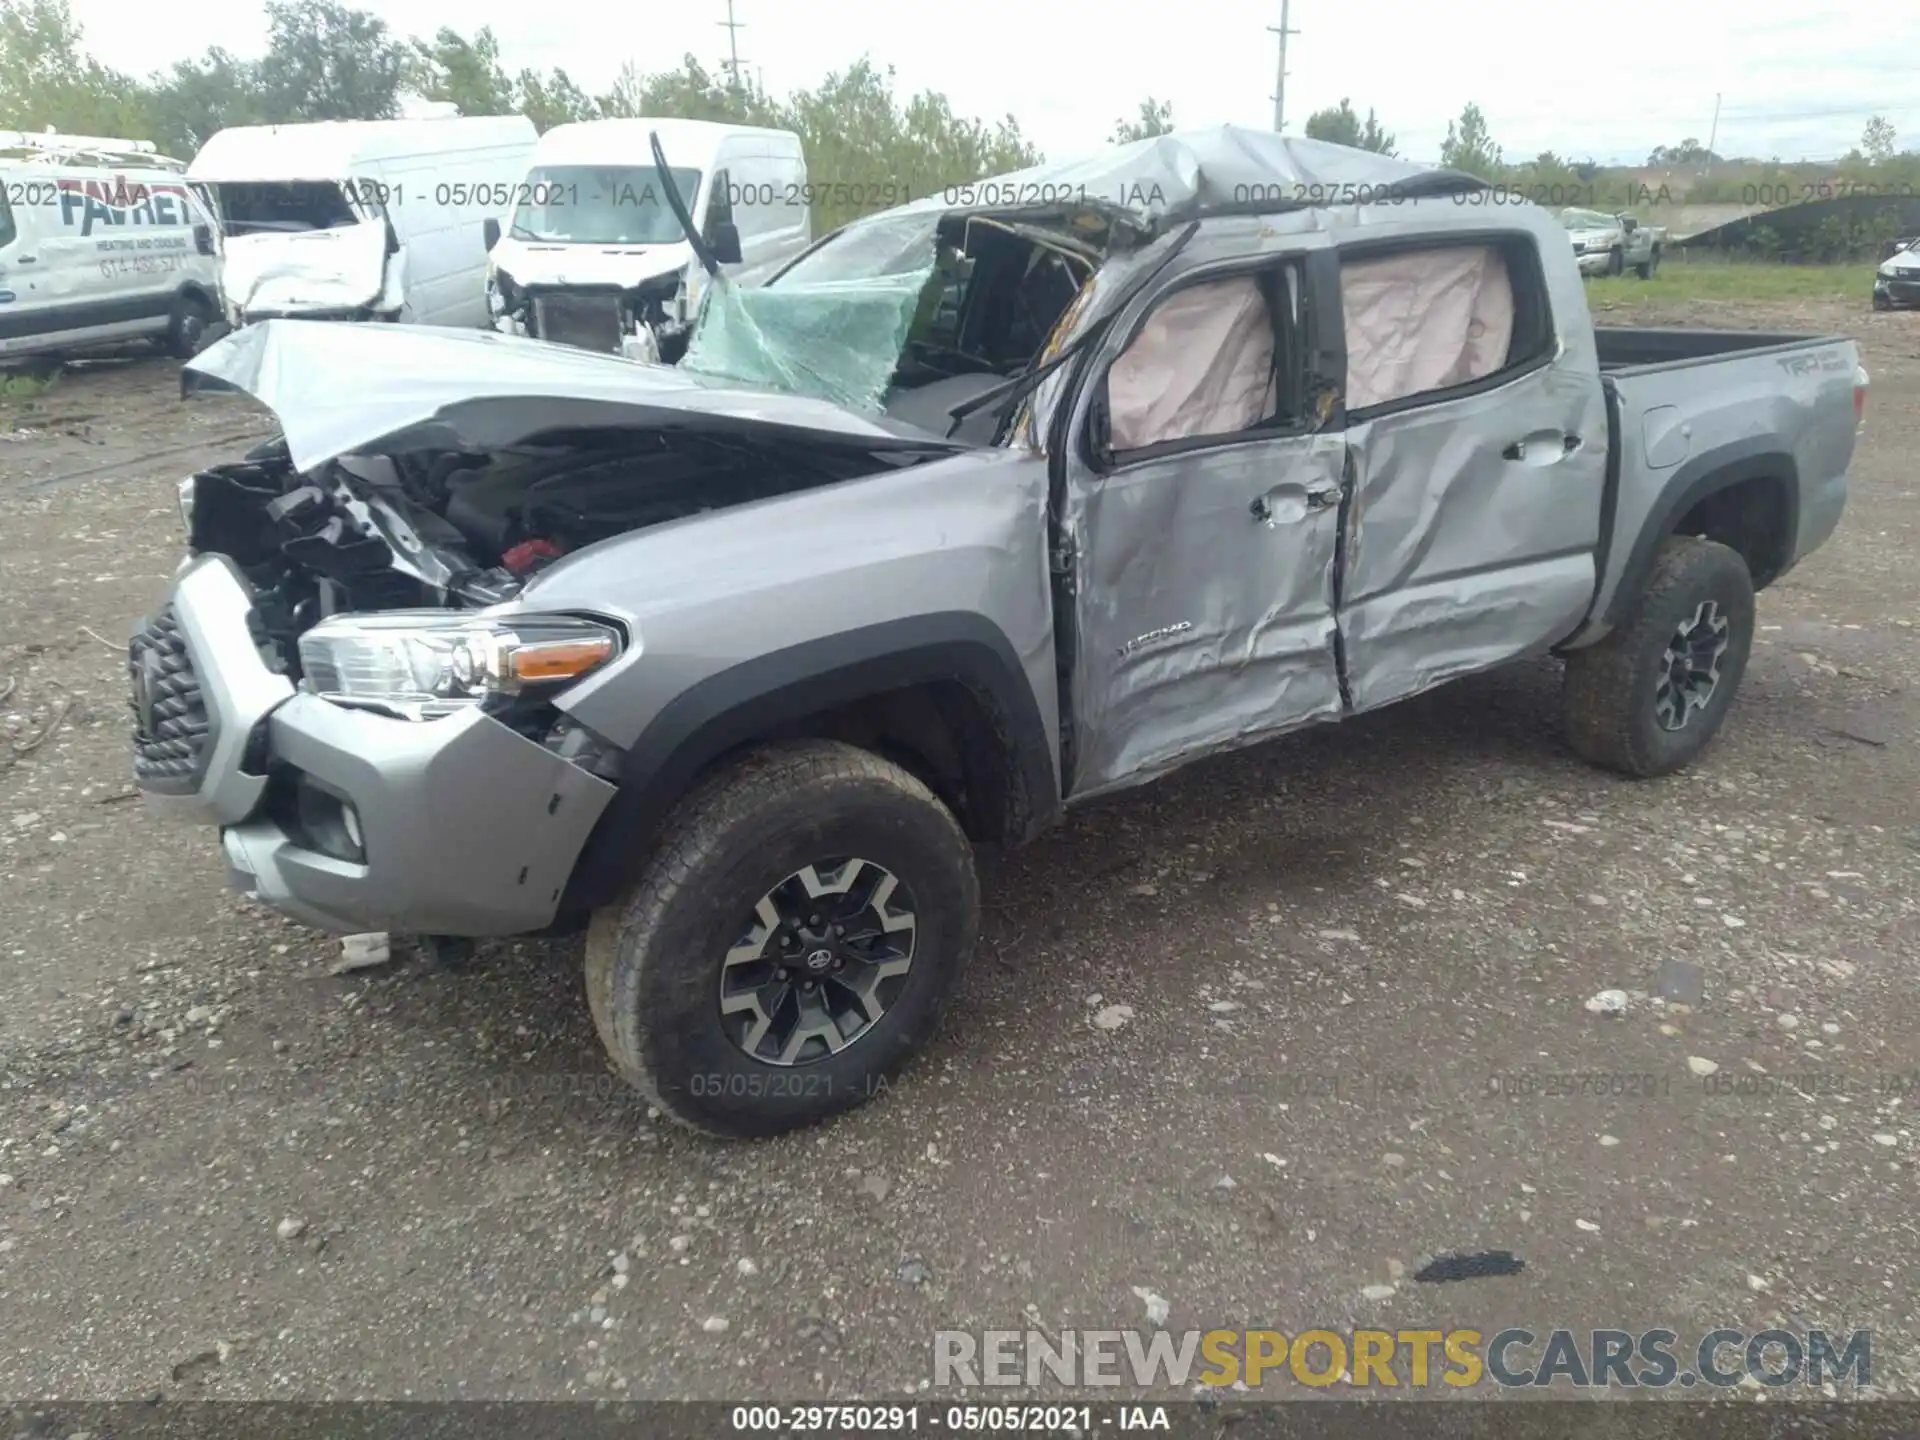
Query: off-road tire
x: 1646, y: 268
x: 188, y: 327
x: 654, y: 956
x: 1609, y: 688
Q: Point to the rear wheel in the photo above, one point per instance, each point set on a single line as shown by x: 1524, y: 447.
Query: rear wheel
x: 790, y: 944
x: 1645, y: 270
x: 187, y: 328
x: 1647, y: 699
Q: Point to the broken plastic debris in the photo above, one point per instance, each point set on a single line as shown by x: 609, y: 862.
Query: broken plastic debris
x: 1157, y: 1306
x: 362, y: 952
x: 1112, y: 1017
x: 1608, y: 1002
x: 1487, y: 1265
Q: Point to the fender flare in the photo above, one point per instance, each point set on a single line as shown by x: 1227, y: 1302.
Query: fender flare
x: 1696, y: 479
x: 730, y: 709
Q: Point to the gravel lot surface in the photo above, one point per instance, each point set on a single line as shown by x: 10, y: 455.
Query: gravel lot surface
x: 1255, y: 1042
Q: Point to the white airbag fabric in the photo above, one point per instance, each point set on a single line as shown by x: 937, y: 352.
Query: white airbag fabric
x: 1202, y: 365
x: 1425, y: 320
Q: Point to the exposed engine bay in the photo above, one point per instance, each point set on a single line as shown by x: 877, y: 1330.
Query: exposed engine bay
x: 463, y: 530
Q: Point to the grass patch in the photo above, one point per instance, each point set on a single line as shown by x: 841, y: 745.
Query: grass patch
x: 1706, y: 279
x: 27, y: 384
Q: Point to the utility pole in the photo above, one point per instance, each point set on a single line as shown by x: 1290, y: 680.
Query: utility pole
x: 1713, y: 134
x: 1280, y: 76
x: 733, y: 28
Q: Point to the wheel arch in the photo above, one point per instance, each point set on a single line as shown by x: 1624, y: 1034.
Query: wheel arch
x: 1746, y: 496
x: 944, y: 695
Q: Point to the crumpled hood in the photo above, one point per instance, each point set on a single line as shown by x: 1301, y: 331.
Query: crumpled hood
x: 340, y: 388
x: 1592, y: 237
x: 534, y: 263
x: 306, y: 270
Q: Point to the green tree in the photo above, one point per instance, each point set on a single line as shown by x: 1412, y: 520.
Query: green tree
x: 194, y: 100
x: 690, y: 93
x: 1688, y: 152
x: 1155, y: 118
x: 466, y: 73
x: 1470, y: 146
x: 328, y: 61
x: 48, y: 79
x: 551, y: 99
x: 1877, y: 139
x: 1341, y: 125
x: 866, y: 149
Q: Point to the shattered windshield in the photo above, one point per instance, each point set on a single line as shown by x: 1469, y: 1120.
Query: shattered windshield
x: 899, y: 245
x: 839, y: 340
x: 250, y: 207
x: 600, y: 205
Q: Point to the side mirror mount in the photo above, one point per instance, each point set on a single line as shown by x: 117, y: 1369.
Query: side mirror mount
x: 1629, y: 224
x: 203, y: 239
x: 726, y: 243
x: 490, y: 231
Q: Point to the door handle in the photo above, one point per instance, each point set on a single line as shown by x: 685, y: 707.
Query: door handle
x: 23, y: 259
x: 1542, y: 449
x: 1265, y: 509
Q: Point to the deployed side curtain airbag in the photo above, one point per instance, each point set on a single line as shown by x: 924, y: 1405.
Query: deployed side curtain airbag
x: 1202, y: 365
x: 1424, y: 320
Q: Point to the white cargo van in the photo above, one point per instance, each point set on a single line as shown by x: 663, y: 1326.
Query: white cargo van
x: 100, y: 242
x: 360, y: 219
x: 592, y: 255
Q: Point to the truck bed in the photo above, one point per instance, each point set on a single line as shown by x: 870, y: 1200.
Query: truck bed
x: 1629, y: 350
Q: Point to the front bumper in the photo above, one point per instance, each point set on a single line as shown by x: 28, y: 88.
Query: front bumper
x: 1897, y: 292
x: 465, y: 826
x: 1594, y: 262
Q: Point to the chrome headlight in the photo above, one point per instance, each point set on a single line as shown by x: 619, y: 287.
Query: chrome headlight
x: 186, y: 503
x: 426, y: 664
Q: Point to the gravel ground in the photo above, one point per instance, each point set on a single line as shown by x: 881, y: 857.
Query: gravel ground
x: 1254, y: 1042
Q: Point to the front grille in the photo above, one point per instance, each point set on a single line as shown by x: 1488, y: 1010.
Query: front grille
x: 589, y: 322
x: 171, y: 728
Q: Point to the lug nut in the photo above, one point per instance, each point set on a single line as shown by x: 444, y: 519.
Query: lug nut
x: 839, y: 929
x: 807, y: 986
x: 837, y: 962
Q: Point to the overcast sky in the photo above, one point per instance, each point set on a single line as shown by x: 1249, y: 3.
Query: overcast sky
x: 1608, y: 79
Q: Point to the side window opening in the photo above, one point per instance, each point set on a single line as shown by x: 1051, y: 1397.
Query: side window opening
x: 1213, y: 360
x: 8, y: 230
x: 1427, y: 321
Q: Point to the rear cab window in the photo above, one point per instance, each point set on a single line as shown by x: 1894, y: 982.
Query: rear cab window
x: 1426, y: 323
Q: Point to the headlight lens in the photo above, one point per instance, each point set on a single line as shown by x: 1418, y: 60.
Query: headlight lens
x: 425, y: 664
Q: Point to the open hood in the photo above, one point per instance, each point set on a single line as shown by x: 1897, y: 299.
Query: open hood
x: 336, y: 389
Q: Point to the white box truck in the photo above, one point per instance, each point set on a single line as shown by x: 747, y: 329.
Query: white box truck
x: 591, y: 254
x: 101, y: 242
x: 360, y: 219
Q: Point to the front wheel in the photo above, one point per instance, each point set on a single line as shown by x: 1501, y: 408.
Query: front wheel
x: 1647, y: 699
x: 187, y: 327
x: 790, y: 944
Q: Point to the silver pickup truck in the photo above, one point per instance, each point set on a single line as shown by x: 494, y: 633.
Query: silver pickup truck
x: 1614, y: 244
x: 1132, y: 461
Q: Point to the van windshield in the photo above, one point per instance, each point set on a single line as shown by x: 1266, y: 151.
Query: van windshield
x: 601, y: 205
x: 249, y: 207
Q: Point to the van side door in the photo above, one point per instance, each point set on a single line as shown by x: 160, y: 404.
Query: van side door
x: 1477, y: 433
x: 1202, y: 504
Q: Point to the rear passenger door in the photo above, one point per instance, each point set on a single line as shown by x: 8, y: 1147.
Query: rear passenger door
x: 1202, y: 517
x: 1478, y: 445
